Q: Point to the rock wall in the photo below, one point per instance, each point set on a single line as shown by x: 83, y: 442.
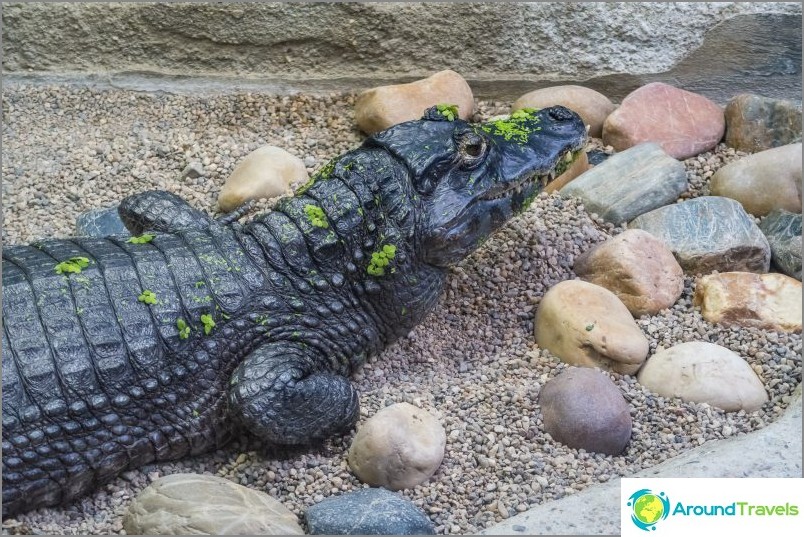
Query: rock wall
x: 501, y: 48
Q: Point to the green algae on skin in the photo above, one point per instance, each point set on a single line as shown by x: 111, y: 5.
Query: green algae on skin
x: 208, y: 322
x: 73, y: 265
x: 449, y: 111
x: 147, y: 297
x: 142, y: 239
x: 381, y: 259
x: 184, y: 329
x: 516, y: 127
x: 316, y: 216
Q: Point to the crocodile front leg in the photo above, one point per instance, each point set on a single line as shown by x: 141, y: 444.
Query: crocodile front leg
x: 281, y: 394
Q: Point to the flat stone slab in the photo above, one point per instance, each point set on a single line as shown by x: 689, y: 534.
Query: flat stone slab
x: 774, y: 451
x: 630, y: 183
x: 709, y: 233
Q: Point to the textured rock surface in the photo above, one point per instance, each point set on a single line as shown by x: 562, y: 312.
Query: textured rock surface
x: 630, y: 183
x: 181, y: 504
x: 379, y: 108
x: 783, y: 231
x: 586, y: 325
x: 709, y: 233
x: 584, y: 409
x: 266, y: 172
x: 399, y: 447
x: 100, y: 223
x: 755, y: 123
x: 771, y: 301
x: 683, y: 123
x: 763, y: 181
x: 638, y: 268
x: 702, y: 372
x: 372, y: 511
x: 592, y: 106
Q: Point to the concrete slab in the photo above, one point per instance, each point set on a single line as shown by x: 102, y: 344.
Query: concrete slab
x: 774, y: 451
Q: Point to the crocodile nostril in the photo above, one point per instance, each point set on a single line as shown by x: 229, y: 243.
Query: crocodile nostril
x: 559, y: 113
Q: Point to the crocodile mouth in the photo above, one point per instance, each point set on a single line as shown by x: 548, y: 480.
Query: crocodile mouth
x: 517, y: 186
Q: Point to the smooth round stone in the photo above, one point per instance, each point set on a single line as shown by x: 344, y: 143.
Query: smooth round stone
x: 266, y: 172
x: 701, y: 372
x: 587, y: 325
x: 181, y: 504
x: 399, y: 447
x: 583, y: 409
x: 638, y: 268
x: 592, y: 106
x: 684, y: 123
x: 100, y: 223
x: 384, y: 106
x: 372, y: 511
x: 763, y: 181
x: 755, y: 123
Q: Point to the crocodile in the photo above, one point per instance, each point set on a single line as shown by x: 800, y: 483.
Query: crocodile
x: 120, y: 352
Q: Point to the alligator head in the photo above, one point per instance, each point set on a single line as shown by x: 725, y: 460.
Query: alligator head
x: 469, y: 179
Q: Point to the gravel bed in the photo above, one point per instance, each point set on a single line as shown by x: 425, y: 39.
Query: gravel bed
x: 473, y: 362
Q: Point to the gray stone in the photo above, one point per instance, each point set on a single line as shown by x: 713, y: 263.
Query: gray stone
x: 755, y: 123
x: 583, y: 409
x: 359, y: 45
x: 596, y: 156
x: 709, y: 233
x: 630, y: 183
x: 179, y: 504
x: 193, y: 170
x: 100, y: 223
x: 372, y: 511
x: 783, y: 231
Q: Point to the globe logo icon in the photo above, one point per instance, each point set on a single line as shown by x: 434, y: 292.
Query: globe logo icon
x: 648, y: 508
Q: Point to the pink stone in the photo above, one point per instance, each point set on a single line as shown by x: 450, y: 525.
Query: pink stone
x: 685, y: 124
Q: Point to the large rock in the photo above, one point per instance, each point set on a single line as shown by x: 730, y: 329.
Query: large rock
x: 630, y: 183
x: 638, y: 268
x: 592, y: 106
x: 266, y: 172
x: 586, y: 325
x: 755, y: 123
x: 700, y: 372
x: 771, y: 301
x: 783, y: 231
x: 683, y: 123
x: 583, y: 409
x: 371, y: 511
x: 100, y: 223
x: 707, y: 234
x: 379, y: 108
x: 181, y: 504
x: 763, y: 181
x: 401, y: 446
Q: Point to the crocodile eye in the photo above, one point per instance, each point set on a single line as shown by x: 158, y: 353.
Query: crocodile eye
x: 471, y: 145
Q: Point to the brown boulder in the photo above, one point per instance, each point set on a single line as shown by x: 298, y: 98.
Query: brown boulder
x: 755, y: 123
x: 685, y: 124
x: 638, y: 268
x: 771, y: 301
x: 382, y: 107
x: 593, y: 107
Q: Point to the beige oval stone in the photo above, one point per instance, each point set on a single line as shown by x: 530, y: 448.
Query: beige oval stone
x: 638, y: 268
x: 700, y: 372
x: 763, y: 181
x: 182, y: 504
x: 771, y: 301
x: 401, y: 446
x: 586, y: 325
x: 592, y: 106
x: 266, y: 172
x: 382, y: 107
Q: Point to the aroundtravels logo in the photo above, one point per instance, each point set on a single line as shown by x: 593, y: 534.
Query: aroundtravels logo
x: 648, y: 508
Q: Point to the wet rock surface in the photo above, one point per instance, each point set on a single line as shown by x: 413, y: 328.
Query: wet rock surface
x: 709, y: 233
